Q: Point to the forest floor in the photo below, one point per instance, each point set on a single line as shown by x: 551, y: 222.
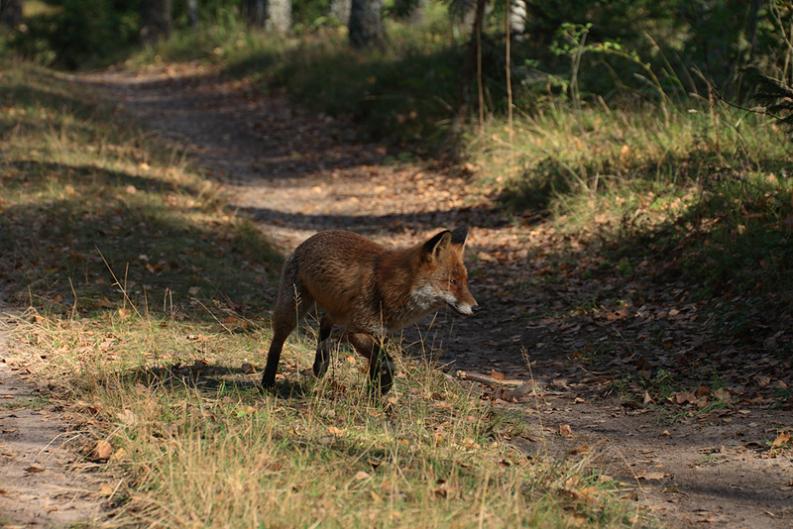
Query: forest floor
x: 698, y: 454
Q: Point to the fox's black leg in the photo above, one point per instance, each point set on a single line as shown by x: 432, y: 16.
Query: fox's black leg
x: 324, y: 346
x: 381, y: 365
x: 273, y: 356
x: 382, y: 368
x: 290, y: 306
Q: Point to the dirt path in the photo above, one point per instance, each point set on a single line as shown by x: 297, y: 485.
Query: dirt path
x: 42, y: 482
x: 695, y: 464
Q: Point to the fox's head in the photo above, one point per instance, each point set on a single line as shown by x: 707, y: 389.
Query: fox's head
x: 442, y: 277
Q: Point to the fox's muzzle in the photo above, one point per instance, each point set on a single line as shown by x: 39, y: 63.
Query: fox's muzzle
x: 464, y: 309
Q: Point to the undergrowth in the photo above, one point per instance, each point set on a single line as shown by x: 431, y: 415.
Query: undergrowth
x: 700, y: 192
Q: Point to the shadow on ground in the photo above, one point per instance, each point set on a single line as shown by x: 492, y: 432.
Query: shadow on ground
x: 91, y: 231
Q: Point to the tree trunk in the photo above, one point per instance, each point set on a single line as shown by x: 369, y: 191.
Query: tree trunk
x: 517, y: 17
x: 476, y: 57
x: 340, y: 9
x: 366, y: 23
x: 156, y: 18
x: 409, y: 10
x: 419, y: 10
x: 279, y: 15
x: 10, y: 13
x: 192, y: 12
x: 255, y: 12
x: 751, y: 27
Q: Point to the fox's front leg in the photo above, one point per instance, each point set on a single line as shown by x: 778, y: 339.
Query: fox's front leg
x: 381, y: 365
x: 324, y: 347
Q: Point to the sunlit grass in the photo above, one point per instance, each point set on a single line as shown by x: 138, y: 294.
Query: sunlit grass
x: 199, y: 445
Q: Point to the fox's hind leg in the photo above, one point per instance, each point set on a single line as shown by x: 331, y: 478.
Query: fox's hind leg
x: 324, y: 346
x: 292, y: 303
x: 381, y: 365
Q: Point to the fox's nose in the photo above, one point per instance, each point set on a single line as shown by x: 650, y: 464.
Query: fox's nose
x: 475, y: 308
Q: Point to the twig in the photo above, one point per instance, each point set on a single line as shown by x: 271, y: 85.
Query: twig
x: 488, y: 380
x: 118, y: 284
x: 213, y: 316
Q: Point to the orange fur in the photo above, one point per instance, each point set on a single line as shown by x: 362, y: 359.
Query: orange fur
x: 368, y: 290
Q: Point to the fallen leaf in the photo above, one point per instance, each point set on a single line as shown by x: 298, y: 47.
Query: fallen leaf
x: 580, y: 449
x: 565, y: 430
x: 781, y: 440
x: 102, y: 450
x: 683, y: 397
x: 34, y: 469
x: 361, y: 475
x: 247, y: 368
x: 336, y: 432
x: 723, y: 395
x: 105, y: 489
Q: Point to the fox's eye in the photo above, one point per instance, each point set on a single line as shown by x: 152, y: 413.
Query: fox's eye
x: 453, y: 281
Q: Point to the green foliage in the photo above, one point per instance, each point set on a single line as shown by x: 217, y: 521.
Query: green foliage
x: 405, y: 97
x: 80, y: 38
x: 67, y: 36
x: 309, y: 15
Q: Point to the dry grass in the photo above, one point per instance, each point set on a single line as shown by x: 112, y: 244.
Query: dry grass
x: 196, y: 444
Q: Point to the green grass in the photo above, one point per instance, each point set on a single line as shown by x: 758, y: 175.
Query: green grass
x: 147, y: 312
x: 711, y: 186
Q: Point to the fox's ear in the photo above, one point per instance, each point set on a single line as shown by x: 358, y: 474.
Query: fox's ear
x: 439, y: 242
x: 460, y: 235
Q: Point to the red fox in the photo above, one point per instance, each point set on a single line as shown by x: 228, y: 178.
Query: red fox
x: 369, y: 291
